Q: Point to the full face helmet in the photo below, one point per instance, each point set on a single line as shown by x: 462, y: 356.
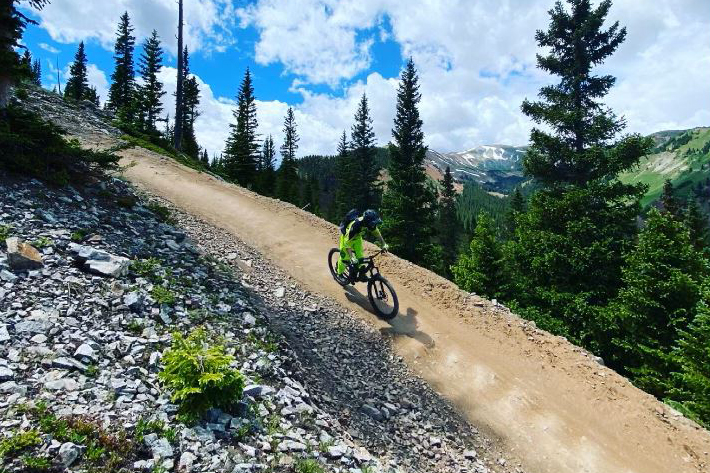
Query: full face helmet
x: 371, y: 219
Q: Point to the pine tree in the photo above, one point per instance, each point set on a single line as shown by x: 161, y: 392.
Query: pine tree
x: 669, y: 202
x: 697, y: 224
x: 517, y: 207
x: 448, y: 223
x: 205, y: 159
x: 287, y: 179
x: 26, y: 65
x: 78, y: 84
x: 691, y: 391
x: 408, y: 204
x: 566, y: 257
x: 662, y: 278
x: 92, y: 95
x: 151, y: 91
x: 120, y: 93
x: 346, y: 177
x: 480, y: 269
x: 37, y: 73
x: 191, y: 100
x: 242, y: 149
x: 267, y: 173
x: 365, y: 188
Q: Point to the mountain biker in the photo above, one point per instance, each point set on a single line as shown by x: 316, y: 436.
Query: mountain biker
x: 351, y: 237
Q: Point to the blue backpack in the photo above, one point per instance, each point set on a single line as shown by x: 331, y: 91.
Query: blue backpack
x: 348, y: 219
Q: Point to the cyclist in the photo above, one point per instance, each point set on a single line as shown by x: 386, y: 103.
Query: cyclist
x: 352, y: 230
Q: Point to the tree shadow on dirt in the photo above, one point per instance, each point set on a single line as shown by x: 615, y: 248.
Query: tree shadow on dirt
x: 403, y: 324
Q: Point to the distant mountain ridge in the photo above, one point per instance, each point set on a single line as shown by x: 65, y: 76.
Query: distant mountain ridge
x: 494, y: 167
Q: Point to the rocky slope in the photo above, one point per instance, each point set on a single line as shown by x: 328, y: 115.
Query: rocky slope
x: 85, y: 318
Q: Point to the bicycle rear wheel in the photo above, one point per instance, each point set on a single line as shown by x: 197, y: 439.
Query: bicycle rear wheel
x: 382, y: 297
x: 333, y: 257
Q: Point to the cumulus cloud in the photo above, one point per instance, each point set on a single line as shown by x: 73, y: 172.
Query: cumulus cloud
x: 208, y: 23
x: 477, y: 61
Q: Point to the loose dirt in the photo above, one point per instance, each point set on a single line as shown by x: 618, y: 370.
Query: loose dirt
x: 550, y: 402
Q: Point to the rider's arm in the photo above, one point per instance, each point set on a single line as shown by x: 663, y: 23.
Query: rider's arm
x: 378, y: 234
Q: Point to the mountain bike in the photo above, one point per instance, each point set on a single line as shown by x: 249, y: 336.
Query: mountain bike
x: 379, y: 291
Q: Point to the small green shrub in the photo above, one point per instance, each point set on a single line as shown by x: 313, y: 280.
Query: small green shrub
x: 308, y: 465
x: 163, y: 295
x: 198, y: 374
x: 126, y: 201
x: 5, y: 232
x: 42, y: 242
x: 35, y: 463
x: 78, y: 236
x: 146, y: 268
x: 19, y: 441
x: 160, y: 211
x: 135, y: 327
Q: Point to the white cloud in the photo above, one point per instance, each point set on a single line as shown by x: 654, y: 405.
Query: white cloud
x: 208, y: 23
x: 48, y: 48
x: 97, y: 78
x: 477, y: 61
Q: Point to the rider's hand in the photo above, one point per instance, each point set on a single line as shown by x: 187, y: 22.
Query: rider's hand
x: 385, y: 248
x: 353, y: 260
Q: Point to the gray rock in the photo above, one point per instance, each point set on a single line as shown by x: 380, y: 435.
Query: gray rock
x: 280, y: 292
x: 99, y: 262
x: 6, y: 373
x: 68, y: 453
x: 336, y: 451
x: 68, y: 364
x: 22, y: 256
x: 11, y: 387
x: 258, y: 390
x: 7, y: 276
x: 186, y: 463
x: 291, y: 446
x: 160, y: 448
x: 85, y: 353
x: 133, y: 300
x: 470, y: 454
x: 63, y: 384
x: 372, y: 412
x: 249, y: 319
x: 4, y: 335
x: 33, y: 326
x: 172, y: 245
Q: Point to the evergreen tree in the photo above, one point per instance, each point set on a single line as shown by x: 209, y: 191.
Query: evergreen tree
x: 120, y: 93
x: 692, y: 382
x: 37, y: 73
x: 448, y: 223
x: 12, y: 25
x: 662, y: 278
x: 26, y: 65
x: 365, y: 188
x: 517, y: 207
x: 267, y: 173
x: 566, y: 257
x: 151, y: 91
x: 78, y: 84
x: 697, y: 224
x: 191, y: 100
x: 408, y: 203
x: 480, y: 269
x: 92, y: 95
x: 287, y: 180
x: 242, y: 149
x: 669, y: 203
x: 205, y: 159
x: 346, y: 177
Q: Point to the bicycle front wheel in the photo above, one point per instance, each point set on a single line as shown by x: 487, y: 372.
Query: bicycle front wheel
x: 382, y: 297
x: 333, y: 257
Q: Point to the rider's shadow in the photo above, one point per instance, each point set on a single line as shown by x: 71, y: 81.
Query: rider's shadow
x: 406, y: 324
x: 403, y: 324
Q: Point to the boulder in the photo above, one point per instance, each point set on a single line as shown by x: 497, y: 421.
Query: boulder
x: 68, y: 453
x: 22, y: 256
x: 98, y: 261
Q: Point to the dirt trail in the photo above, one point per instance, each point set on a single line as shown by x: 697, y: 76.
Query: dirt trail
x: 551, y: 403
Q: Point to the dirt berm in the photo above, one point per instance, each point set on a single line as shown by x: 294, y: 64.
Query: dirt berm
x: 552, y: 405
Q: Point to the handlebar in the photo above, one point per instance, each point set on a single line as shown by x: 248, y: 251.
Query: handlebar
x: 372, y: 256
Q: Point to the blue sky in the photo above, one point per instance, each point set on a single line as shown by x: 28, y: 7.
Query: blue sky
x: 476, y: 60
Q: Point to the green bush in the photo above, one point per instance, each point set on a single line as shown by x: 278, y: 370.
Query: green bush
x: 198, y: 374
x: 5, y: 232
x: 30, y: 145
x: 160, y: 211
x: 163, y: 295
x: 19, y: 441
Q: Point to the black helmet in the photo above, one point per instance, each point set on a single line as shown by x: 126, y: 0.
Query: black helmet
x: 371, y: 218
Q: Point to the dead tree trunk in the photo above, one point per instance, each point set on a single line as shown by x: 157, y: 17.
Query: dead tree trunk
x: 178, y: 94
